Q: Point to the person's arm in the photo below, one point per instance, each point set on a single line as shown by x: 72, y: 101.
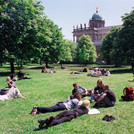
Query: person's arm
x: 9, y: 84
x: 83, y: 88
x: 102, y: 97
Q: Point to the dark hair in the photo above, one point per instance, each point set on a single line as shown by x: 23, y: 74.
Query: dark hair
x: 75, y: 84
x: 77, y: 96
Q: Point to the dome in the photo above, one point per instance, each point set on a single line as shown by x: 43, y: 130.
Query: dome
x: 96, y: 16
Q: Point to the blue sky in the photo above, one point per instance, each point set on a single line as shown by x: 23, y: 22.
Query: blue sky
x: 69, y: 13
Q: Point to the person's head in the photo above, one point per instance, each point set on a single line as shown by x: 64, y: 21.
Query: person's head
x: 8, y: 79
x: 86, y: 103
x: 75, y: 85
x: 99, y: 83
x: 105, y: 86
x: 77, y: 96
x: 72, y: 73
x: 14, y: 72
x: 21, y: 71
x: 107, y: 69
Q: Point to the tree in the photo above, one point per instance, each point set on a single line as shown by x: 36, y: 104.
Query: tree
x: 85, y: 50
x: 109, y: 46
x: 51, y: 41
x: 126, y: 39
x: 18, y: 28
x: 67, y: 51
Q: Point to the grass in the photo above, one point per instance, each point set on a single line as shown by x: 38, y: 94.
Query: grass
x: 48, y: 89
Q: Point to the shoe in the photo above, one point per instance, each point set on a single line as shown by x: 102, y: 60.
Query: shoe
x: 50, y: 119
x: 91, y: 101
x: 105, y: 117
x: 42, y: 122
x: 34, y: 111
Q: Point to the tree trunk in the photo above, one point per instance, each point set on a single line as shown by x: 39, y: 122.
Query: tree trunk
x: 47, y: 64
x: 40, y: 62
x: 12, y: 66
x: 132, y: 66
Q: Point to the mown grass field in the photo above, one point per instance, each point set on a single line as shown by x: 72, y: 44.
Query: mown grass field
x: 48, y: 89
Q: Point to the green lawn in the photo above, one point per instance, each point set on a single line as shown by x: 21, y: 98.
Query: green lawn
x: 48, y: 89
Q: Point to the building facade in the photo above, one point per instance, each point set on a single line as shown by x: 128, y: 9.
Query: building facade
x: 96, y: 30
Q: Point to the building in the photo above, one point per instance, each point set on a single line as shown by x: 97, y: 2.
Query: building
x: 96, y: 30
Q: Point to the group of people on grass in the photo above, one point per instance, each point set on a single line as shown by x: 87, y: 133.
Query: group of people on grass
x: 45, y: 70
x: 94, y: 72
x: 20, y: 76
x: 101, y: 94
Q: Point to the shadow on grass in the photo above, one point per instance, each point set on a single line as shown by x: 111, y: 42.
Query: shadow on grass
x: 40, y: 68
x: 38, y: 129
x: 120, y: 71
x: 5, y: 73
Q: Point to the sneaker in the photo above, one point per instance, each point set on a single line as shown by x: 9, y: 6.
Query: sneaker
x: 34, y: 111
x: 91, y: 101
x: 42, y: 122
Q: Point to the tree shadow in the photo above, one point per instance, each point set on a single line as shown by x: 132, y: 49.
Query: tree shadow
x: 40, y: 68
x: 5, y: 73
x: 120, y: 71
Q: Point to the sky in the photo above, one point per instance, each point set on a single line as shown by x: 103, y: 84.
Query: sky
x: 69, y: 13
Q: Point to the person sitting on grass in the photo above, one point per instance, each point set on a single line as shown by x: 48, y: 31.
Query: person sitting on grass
x: 66, y: 105
x: 81, y: 90
x: 13, y: 76
x: 44, y: 70
x: 21, y: 76
x: 85, y: 69
x: 63, y: 67
x: 10, y: 85
x: 65, y: 116
x: 107, y: 73
x: 12, y: 93
x: 107, y: 99
x: 96, y: 92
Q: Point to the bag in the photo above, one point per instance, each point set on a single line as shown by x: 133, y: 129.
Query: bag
x: 128, y: 94
x: 3, y: 91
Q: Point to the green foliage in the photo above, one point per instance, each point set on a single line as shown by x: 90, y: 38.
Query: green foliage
x: 126, y: 36
x: 67, y: 51
x: 108, y: 48
x: 118, y: 45
x: 19, y: 28
x: 85, y: 50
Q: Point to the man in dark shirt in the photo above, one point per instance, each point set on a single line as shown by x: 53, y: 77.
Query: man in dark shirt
x: 108, y: 97
x: 96, y: 93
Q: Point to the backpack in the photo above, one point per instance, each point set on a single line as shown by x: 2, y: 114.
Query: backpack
x: 128, y: 94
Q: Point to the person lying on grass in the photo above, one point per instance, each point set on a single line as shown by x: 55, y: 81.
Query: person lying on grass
x: 65, y: 116
x: 12, y: 93
x: 81, y: 90
x: 66, y: 105
x: 107, y: 99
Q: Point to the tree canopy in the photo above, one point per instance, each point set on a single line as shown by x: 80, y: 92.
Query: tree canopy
x: 86, y: 52
x: 118, y: 45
